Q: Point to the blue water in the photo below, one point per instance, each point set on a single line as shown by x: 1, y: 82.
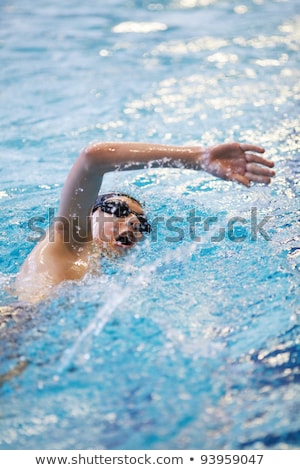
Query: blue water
x: 185, y: 343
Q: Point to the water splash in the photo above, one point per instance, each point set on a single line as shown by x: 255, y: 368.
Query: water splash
x: 118, y: 296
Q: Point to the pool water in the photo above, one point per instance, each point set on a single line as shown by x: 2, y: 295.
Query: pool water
x: 192, y: 341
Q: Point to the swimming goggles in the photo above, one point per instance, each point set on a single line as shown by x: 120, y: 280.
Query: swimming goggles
x: 120, y: 209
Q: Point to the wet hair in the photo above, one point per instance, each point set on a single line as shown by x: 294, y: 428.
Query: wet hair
x: 102, y: 197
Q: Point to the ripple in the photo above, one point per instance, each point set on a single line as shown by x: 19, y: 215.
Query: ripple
x: 139, y: 27
x: 206, y: 43
x: 187, y: 4
x: 3, y: 194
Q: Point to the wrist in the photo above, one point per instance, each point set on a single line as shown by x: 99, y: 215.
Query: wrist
x: 202, y: 158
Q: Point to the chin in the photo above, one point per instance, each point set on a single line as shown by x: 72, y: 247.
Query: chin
x: 114, y: 250
x: 122, y: 249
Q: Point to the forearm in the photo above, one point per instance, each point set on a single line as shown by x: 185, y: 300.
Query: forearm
x: 131, y: 155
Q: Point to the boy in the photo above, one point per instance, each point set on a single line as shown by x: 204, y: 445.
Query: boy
x: 116, y: 221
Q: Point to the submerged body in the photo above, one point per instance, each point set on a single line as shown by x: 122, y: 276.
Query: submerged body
x: 119, y: 222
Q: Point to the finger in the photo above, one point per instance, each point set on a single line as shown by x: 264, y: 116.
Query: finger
x: 250, y: 157
x: 252, y: 148
x: 258, y: 178
x: 243, y: 179
x: 259, y: 170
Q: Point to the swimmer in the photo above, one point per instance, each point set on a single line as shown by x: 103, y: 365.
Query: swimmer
x: 115, y: 221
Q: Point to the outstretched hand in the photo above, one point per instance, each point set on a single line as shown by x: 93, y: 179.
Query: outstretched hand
x: 237, y: 162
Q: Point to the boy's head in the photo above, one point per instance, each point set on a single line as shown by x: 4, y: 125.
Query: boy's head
x: 118, y: 221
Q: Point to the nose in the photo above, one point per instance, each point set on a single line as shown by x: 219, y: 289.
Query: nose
x: 128, y: 222
x: 132, y: 221
x: 131, y: 224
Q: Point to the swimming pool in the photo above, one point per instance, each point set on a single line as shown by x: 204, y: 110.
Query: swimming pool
x: 191, y: 342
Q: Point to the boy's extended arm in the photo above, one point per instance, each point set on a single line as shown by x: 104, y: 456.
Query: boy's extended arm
x: 237, y: 162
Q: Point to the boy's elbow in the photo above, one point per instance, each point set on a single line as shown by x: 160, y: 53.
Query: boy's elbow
x: 95, y: 154
x: 103, y: 154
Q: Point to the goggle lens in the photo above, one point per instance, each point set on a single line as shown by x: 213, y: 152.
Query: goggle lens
x: 121, y: 209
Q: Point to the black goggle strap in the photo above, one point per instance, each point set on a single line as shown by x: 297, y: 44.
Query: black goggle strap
x: 102, y: 198
x: 117, y: 208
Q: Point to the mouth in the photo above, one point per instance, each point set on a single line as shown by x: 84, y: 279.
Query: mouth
x: 126, y: 240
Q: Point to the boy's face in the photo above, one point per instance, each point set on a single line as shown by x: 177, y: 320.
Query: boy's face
x: 120, y: 230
